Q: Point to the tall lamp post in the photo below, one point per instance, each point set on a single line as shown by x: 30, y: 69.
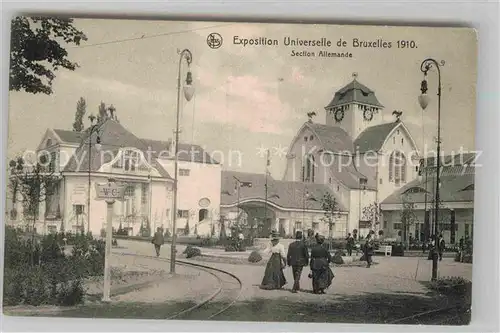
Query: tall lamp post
x: 423, y: 100
x: 92, y: 129
x: 188, y: 95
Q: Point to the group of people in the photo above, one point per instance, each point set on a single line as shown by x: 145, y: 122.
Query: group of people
x: 297, y: 258
x: 436, y: 246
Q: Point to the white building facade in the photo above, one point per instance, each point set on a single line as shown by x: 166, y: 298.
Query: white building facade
x: 145, y: 167
x: 366, y: 164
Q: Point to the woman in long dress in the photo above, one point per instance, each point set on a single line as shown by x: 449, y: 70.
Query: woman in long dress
x: 321, y: 273
x: 273, y: 275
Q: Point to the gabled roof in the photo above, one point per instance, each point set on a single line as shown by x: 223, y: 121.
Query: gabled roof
x: 354, y: 92
x: 373, y: 138
x: 333, y: 138
x: 461, y: 158
x: 453, y: 189
x: 283, y: 194
x: 70, y: 137
x: 113, y: 137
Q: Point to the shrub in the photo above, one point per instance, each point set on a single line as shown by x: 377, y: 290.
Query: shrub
x: 192, y: 252
x: 467, y: 258
x: 337, y: 258
x: 36, y: 274
x: 254, y: 257
x: 398, y: 250
x: 451, y: 285
x: 230, y: 248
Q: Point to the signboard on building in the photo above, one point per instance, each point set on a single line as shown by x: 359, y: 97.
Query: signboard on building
x: 110, y: 191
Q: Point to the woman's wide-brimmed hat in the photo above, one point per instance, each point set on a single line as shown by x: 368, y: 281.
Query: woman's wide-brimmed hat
x: 275, y: 235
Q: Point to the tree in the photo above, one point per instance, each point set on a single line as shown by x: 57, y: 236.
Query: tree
x: 81, y: 109
x: 32, y: 186
x: 331, y: 209
x: 36, y: 51
x: 186, y: 228
x: 408, y: 218
x: 372, y: 213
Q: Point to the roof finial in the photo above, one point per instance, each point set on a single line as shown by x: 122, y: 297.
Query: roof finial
x: 355, y: 75
x: 397, y: 114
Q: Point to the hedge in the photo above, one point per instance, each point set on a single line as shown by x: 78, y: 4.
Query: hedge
x: 37, y: 271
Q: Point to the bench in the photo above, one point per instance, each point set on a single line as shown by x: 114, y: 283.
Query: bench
x: 386, y: 250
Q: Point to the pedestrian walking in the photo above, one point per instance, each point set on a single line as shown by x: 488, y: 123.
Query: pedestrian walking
x: 441, y: 246
x: 297, y: 258
x: 368, y: 249
x: 274, y: 278
x: 432, y: 247
x: 321, y: 273
x: 158, y: 240
x: 350, y: 244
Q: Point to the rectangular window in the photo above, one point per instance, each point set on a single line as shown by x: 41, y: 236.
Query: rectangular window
x: 167, y: 213
x: 315, y: 226
x: 398, y: 226
x: 183, y: 213
x: 144, y: 193
x: 380, y: 181
x: 130, y: 160
x: 78, y: 209
x: 298, y: 225
x: 52, y: 162
x: 184, y: 172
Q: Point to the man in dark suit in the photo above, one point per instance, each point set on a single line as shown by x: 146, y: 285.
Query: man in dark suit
x: 297, y: 257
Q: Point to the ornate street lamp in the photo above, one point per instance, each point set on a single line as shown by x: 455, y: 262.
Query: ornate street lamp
x: 188, y: 90
x: 423, y: 100
x: 92, y: 129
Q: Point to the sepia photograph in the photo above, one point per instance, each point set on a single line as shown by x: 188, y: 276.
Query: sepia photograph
x: 231, y: 171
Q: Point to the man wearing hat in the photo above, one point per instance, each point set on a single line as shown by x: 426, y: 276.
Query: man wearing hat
x: 297, y: 258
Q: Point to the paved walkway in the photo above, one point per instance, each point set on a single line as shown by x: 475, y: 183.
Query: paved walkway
x: 189, y: 284
x: 392, y: 275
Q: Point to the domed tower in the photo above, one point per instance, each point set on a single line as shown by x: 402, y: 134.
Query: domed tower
x: 354, y: 108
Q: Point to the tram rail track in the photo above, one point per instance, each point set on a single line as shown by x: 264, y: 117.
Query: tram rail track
x: 224, y: 297
x: 449, y: 315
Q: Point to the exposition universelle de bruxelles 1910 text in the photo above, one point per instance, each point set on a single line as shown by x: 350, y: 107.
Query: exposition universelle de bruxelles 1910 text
x: 319, y: 47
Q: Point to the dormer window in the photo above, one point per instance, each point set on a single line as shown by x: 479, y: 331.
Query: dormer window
x: 130, y: 160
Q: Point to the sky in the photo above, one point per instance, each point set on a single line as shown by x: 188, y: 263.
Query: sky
x: 249, y: 97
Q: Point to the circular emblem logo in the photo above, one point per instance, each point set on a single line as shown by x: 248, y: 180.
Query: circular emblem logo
x: 204, y: 202
x: 214, y: 40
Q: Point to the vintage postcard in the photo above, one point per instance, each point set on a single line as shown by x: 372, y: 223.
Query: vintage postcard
x: 240, y: 171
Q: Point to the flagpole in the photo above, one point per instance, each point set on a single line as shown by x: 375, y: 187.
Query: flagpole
x: 265, y: 187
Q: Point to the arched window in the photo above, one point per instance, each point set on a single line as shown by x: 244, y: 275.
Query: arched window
x: 309, y: 169
x: 414, y: 190
x: 397, y: 167
x: 202, y: 214
x: 391, y: 167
